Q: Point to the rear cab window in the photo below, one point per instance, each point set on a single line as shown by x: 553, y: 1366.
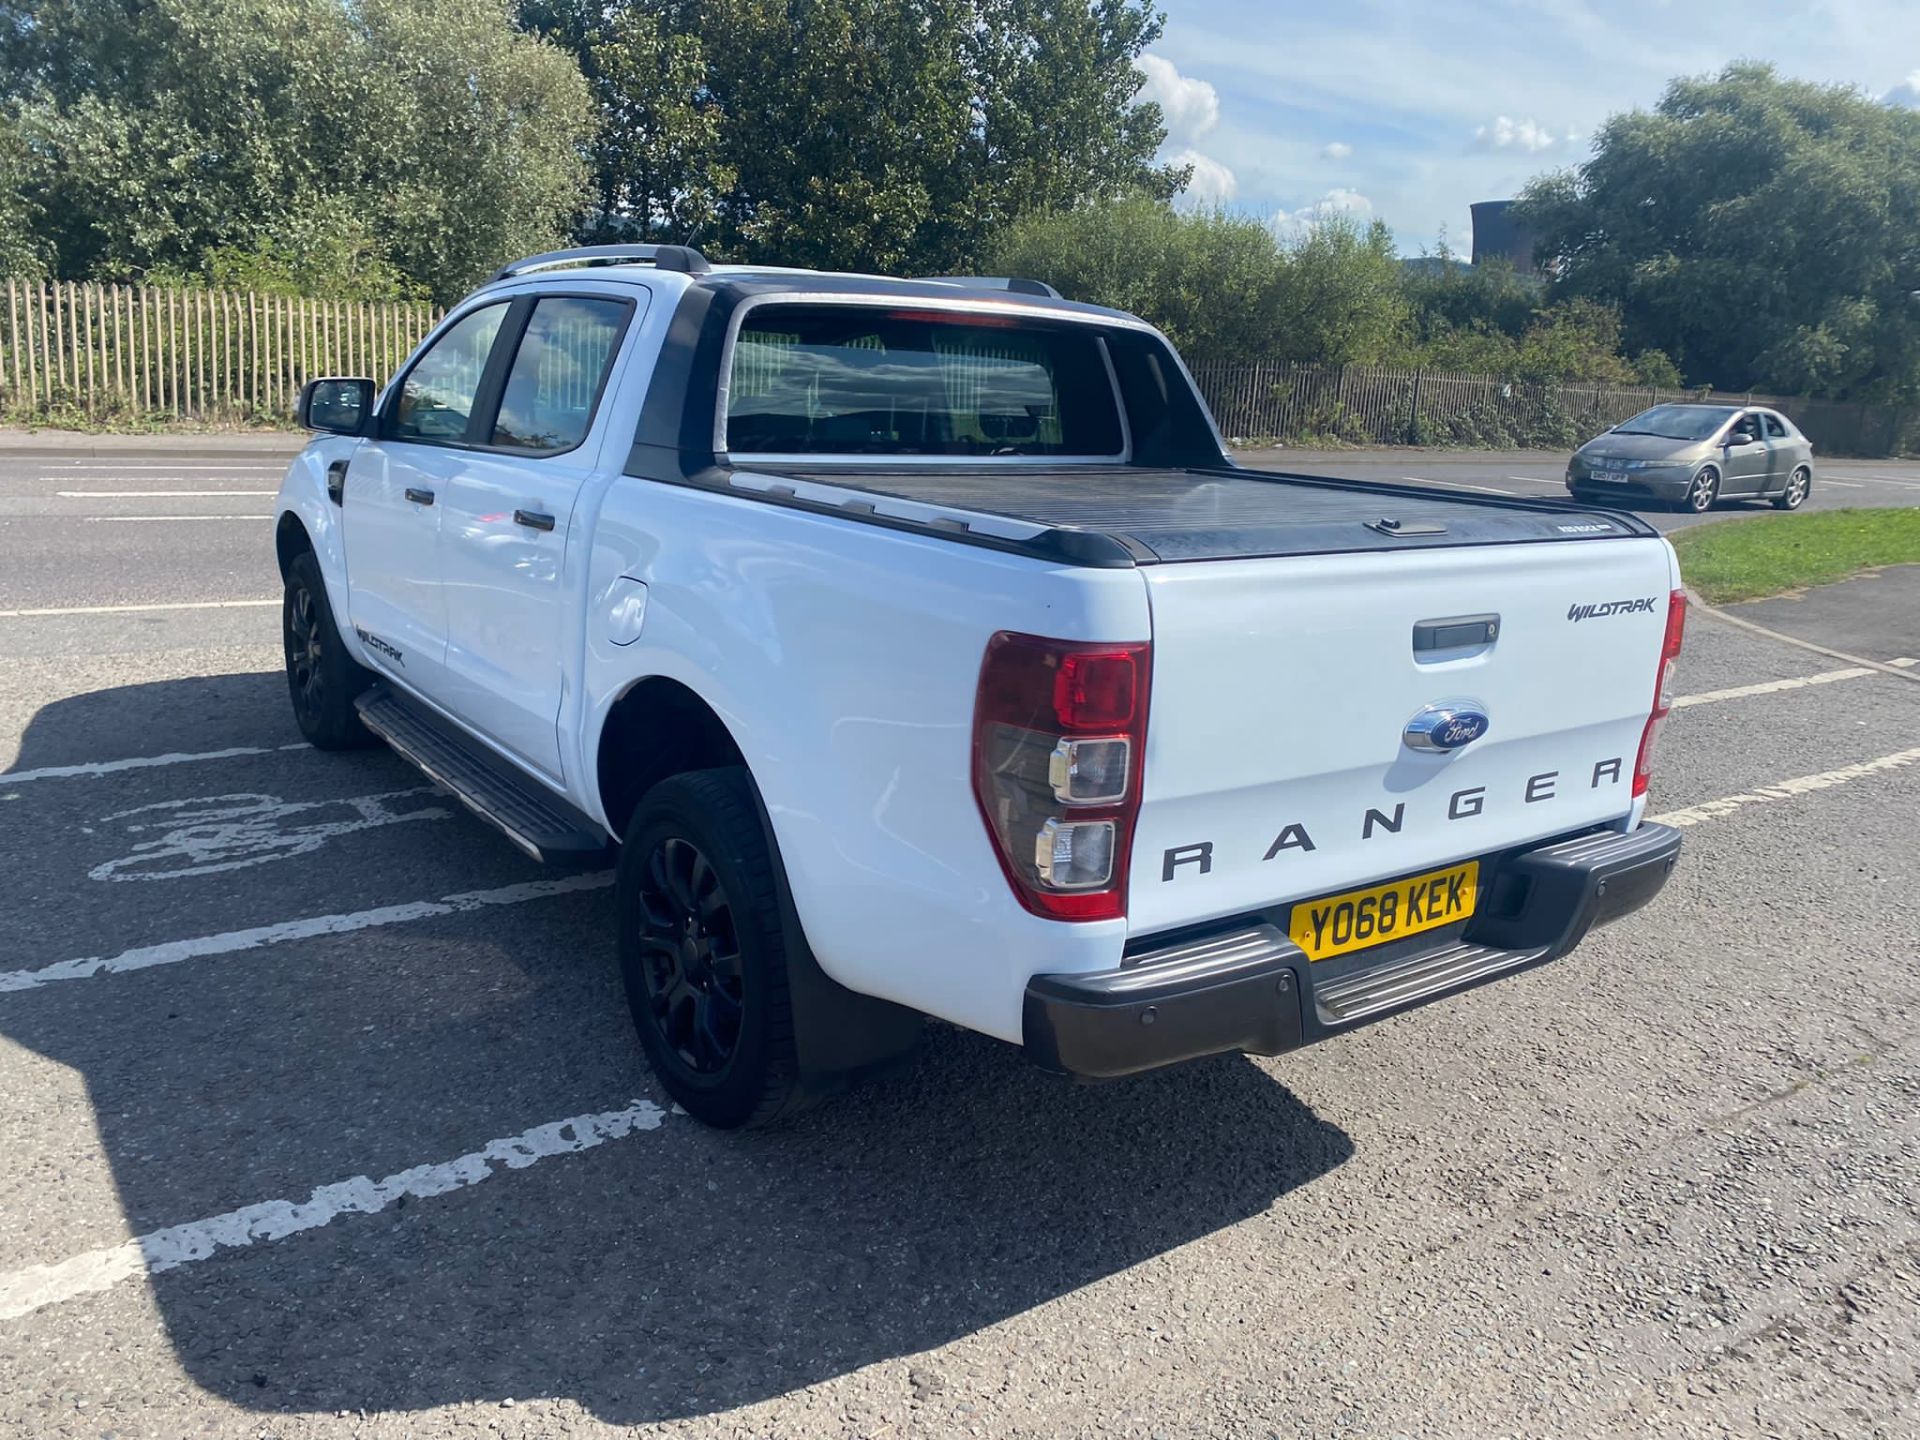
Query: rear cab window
x: 865, y: 380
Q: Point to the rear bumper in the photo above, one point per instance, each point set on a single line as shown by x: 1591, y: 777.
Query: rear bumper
x: 1247, y: 987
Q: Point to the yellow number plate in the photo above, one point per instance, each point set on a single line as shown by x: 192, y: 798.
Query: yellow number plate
x: 1335, y: 924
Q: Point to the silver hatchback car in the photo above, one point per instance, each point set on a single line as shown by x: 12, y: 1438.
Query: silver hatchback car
x: 1693, y: 456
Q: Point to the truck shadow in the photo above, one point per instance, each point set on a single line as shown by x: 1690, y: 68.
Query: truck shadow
x: 675, y: 1273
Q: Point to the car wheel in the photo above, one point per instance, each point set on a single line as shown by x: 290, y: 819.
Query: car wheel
x: 1703, y: 492
x: 1799, y: 486
x: 703, y: 950
x: 322, y: 679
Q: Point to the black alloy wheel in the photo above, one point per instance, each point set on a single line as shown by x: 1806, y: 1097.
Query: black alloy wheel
x: 323, y: 680
x: 705, y: 945
x: 690, y: 956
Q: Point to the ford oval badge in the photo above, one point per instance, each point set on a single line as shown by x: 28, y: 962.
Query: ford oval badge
x: 1452, y: 726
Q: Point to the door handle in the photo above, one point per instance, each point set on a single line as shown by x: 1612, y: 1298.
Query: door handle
x: 418, y: 496
x: 533, y: 519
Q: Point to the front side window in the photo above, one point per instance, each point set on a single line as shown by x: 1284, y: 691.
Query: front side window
x: 868, y: 380
x: 548, y: 402
x: 437, y: 397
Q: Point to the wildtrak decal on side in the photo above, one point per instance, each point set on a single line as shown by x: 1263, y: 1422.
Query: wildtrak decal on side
x: 1462, y: 804
x: 392, y: 652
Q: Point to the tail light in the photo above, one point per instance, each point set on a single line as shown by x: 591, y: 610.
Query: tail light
x: 1662, y: 690
x: 1059, y: 730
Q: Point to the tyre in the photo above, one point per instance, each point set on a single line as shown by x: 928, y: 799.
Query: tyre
x: 1799, y: 486
x: 704, y: 952
x: 1704, y: 491
x: 322, y: 678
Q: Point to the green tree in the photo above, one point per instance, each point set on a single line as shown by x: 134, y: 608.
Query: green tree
x: 405, y: 143
x: 657, y: 165
x: 1759, y: 231
x: 893, y: 135
x: 1340, y: 300
x: 1207, y: 279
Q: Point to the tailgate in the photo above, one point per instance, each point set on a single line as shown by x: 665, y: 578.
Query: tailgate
x: 1276, y: 766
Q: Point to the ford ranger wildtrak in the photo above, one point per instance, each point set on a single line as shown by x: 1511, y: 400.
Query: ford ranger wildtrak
x: 915, y: 647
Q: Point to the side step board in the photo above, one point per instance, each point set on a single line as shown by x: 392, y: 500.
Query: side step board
x: 532, y: 817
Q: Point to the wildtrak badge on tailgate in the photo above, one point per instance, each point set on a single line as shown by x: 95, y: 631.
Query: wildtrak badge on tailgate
x: 1577, y: 613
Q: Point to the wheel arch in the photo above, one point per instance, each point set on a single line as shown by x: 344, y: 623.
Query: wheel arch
x: 659, y: 727
x: 290, y: 540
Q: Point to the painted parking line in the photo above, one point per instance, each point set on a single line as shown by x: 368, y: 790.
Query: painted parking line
x: 93, y: 769
x: 1788, y: 789
x: 258, y: 937
x: 156, y: 494
x: 34, y: 1287
x: 1796, y: 682
x: 133, y: 609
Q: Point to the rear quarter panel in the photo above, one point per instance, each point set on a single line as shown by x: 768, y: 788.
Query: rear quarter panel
x: 843, y: 658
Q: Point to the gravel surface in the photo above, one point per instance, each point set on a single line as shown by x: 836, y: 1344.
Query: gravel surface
x: 1663, y: 1187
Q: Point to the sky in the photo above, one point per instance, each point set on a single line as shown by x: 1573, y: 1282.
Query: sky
x: 1408, y: 112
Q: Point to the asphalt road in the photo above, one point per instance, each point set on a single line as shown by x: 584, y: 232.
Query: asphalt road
x: 357, y: 1080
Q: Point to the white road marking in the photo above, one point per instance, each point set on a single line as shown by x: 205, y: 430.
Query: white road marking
x: 1457, y: 485
x: 133, y: 609
x: 1844, y: 484
x: 143, y: 519
x: 151, y: 494
x: 34, y: 1287
x: 1797, y: 682
x: 233, y: 942
x: 1787, y: 789
x: 96, y: 768
x: 213, y: 834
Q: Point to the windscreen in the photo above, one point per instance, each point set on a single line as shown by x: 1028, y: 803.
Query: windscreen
x: 869, y: 380
x: 1678, y: 422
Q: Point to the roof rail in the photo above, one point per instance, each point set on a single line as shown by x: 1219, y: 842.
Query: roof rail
x: 1013, y: 284
x: 683, y: 258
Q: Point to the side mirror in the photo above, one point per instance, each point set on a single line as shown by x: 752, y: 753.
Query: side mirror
x: 336, y: 406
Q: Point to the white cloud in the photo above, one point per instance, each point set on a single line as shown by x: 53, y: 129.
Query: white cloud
x: 1522, y: 135
x: 1906, y: 94
x: 1190, y: 107
x: 1338, y: 201
x: 1212, y: 182
x: 1337, y: 150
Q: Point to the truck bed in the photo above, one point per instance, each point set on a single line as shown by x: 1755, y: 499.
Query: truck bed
x: 1141, y: 516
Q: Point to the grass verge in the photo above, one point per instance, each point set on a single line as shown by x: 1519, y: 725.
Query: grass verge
x: 1771, y: 554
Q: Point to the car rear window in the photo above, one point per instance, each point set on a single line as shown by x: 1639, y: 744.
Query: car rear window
x: 866, y: 380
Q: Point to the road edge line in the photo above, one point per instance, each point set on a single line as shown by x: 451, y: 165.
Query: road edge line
x: 1713, y: 612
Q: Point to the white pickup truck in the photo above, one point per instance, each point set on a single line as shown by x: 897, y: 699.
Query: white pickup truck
x: 918, y: 649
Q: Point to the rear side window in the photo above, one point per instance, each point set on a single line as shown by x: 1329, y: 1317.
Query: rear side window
x: 1774, y: 427
x: 437, y: 397
x: 548, y: 401
x: 863, y: 380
